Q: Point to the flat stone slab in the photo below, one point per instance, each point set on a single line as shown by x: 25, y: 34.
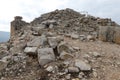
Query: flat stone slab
x: 45, y: 55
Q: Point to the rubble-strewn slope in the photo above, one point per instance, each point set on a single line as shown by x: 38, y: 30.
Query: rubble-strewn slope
x: 61, y: 45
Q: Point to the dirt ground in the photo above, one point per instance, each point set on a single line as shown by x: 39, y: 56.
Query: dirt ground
x: 107, y: 67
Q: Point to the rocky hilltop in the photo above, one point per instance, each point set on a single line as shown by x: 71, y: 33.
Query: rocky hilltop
x: 61, y: 45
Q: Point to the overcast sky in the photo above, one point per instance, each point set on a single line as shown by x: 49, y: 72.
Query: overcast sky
x: 29, y: 9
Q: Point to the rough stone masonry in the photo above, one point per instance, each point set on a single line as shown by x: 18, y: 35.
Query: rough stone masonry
x: 70, y: 22
x: 43, y: 50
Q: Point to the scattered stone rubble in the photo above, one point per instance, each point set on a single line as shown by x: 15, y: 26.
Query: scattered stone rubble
x: 40, y: 46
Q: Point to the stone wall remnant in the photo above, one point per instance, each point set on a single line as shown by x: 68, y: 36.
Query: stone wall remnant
x: 16, y: 25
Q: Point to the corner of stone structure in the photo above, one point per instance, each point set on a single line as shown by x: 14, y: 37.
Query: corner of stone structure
x: 16, y: 25
x: 18, y: 18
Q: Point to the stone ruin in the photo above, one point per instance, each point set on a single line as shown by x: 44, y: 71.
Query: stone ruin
x: 70, y: 22
x: 43, y: 40
x: 16, y: 25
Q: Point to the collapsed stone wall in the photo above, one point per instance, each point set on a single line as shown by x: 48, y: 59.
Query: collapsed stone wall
x: 58, y: 15
x: 16, y: 25
x: 70, y: 22
x: 41, y: 50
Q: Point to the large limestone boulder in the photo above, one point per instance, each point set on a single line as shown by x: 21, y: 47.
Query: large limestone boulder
x: 54, y: 41
x: 31, y: 50
x: 45, y: 55
x: 38, y: 41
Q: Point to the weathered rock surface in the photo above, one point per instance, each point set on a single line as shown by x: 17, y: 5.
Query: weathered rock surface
x: 109, y: 34
x: 38, y: 41
x: 45, y: 55
x: 17, y: 25
x: 63, y: 46
x: 65, y: 55
x: 82, y: 65
x: 74, y: 36
x: 53, y: 41
x: 31, y: 50
x: 116, y: 35
x: 73, y: 69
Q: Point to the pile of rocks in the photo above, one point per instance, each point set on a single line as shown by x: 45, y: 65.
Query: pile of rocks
x: 70, y: 22
x: 59, y: 15
x: 42, y: 43
x: 53, y: 54
x: 50, y: 50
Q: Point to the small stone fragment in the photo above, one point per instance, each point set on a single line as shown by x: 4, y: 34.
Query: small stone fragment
x: 74, y: 36
x: 82, y: 65
x: 68, y: 76
x: 73, y: 69
x: 96, y: 54
x: 50, y: 68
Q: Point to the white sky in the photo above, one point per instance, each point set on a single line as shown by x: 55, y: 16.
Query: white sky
x: 29, y: 9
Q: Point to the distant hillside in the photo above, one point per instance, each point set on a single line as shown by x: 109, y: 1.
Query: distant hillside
x: 4, y: 36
